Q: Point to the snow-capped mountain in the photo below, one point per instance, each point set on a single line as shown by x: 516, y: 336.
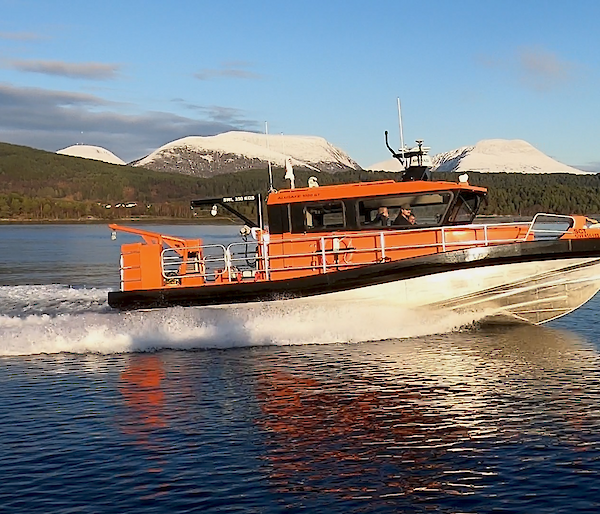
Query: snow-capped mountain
x: 500, y: 155
x: 493, y: 156
x: 237, y: 151
x: 387, y: 165
x: 96, y: 153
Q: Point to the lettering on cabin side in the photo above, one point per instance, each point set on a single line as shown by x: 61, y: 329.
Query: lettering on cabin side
x: 303, y: 195
x: 229, y: 199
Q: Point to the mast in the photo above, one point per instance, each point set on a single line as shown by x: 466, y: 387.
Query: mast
x: 401, y: 132
x: 271, y: 188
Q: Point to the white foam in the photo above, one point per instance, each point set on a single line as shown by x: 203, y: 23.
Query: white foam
x: 105, y: 331
x: 55, y: 299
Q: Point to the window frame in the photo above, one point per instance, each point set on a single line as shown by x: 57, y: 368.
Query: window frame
x: 325, y: 228
x: 398, y: 201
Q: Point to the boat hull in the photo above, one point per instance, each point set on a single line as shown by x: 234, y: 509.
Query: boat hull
x: 532, y: 282
x: 531, y: 292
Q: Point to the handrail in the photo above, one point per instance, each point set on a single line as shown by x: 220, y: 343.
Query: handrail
x: 151, y: 237
x: 548, y: 215
x: 232, y: 262
x: 323, y: 254
x: 229, y: 262
x: 167, y: 261
x: 443, y: 239
x: 443, y: 229
x: 265, y: 249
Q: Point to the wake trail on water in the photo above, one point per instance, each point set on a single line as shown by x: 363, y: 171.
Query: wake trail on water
x: 53, y: 319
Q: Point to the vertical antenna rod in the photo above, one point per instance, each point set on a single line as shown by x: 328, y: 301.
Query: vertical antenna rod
x: 401, y: 133
x: 271, y: 188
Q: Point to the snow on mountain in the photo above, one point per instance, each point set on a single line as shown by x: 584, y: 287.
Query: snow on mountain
x: 493, y: 156
x: 96, y: 153
x: 237, y: 151
x: 500, y: 155
x: 389, y: 165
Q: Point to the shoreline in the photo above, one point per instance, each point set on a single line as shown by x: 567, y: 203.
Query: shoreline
x: 193, y: 221
x: 97, y: 221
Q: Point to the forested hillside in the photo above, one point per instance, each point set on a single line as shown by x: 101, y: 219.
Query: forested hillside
x: 38, y: 185
x: 526, y: 194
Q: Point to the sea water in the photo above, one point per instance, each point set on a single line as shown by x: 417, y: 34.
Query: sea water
x: 255, y: 409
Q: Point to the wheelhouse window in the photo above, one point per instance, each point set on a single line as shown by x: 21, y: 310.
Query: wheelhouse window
x: 406, y: 211
x: 324, y: 216
x: 466, y: 208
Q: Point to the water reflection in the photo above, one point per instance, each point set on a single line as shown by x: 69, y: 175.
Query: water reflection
x: 318, y: 434
x: 478, y: 421
x: 140, y: 385
x: 447, y: 415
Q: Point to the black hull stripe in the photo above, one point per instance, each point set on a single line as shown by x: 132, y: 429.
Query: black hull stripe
x: 373, y: 274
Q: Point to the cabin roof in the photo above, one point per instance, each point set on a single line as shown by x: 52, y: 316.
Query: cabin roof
x: 365, y: 189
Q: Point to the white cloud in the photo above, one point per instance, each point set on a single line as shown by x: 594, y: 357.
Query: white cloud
x: 590, y: 166
x: 228, y: 70
x: 543, y: 70
x: 50, y: 120
x: 534, y: 67
x: 86, y: 70
x: 20, y: 36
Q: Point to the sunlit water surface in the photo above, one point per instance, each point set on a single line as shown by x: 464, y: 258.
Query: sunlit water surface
x: 278, y: 410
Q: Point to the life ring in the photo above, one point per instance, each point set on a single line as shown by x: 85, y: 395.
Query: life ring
x: 332, y: 254
x: 347, y: 251
x: 348, y: 254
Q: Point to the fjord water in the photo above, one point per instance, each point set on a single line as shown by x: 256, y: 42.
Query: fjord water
x: 263, y: 410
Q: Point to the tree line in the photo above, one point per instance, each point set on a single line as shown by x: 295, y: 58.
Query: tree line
x: 520, y: 194
x: 38, y: 185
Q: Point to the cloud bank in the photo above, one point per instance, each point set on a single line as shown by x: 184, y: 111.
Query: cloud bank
x: 534, y: 67
x: 543, y: 70
x: 590, y: 166
x: 87, y: 70
x: 50, y: 120
x: 20, y: 36
x: 228, y: 70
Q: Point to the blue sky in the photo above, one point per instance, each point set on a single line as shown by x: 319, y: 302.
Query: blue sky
x: 132, y: 75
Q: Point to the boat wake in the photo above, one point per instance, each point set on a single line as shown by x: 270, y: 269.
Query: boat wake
x: 54, y: 319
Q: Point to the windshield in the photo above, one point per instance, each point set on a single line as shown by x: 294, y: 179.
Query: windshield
x: 421, y: 210
x: 465, y: 209
x: 324, y: 216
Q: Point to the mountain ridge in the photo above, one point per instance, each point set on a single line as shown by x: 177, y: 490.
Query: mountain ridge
x: 96, y: 153
x: 491, y: 156
x: 500, y: 156
x: 237, y: 151
x: 41, y: 185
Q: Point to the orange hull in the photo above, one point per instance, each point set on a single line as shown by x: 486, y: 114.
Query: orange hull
x: 322, y: 240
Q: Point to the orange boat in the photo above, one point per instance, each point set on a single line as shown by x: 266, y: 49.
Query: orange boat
x: 359, y: 243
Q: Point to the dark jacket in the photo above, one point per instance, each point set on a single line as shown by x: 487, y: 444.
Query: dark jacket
x: 402, y: 221
x: 382, y: 221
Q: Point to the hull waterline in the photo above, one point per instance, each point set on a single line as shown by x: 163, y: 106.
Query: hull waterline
x: 528, y: 282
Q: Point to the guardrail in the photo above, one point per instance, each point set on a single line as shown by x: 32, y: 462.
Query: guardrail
x: 549, y: 233
x: 246, y: 260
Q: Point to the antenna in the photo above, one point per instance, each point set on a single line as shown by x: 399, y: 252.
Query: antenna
x: 401, y: 132
x: 271, y: 188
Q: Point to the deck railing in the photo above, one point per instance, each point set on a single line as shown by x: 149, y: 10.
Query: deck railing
x: 252, y: 260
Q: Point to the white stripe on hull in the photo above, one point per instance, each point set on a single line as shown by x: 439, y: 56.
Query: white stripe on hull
x: 534, y: 292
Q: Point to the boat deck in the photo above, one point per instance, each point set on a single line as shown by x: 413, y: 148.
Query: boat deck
x: 166, y: 262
